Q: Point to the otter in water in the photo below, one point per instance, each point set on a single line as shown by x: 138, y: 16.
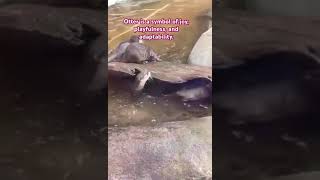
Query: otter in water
x: 140, y: 81
x: 117, y: 54
x: 196, y: 93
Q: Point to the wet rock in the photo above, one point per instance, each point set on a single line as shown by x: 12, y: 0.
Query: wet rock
x: 175, y: 150
x: 240, y: 34
x: 78, y: 35
x: 201, y: 53
x: 163, y: 71
x: 167, y: 77
x: 73, y: 26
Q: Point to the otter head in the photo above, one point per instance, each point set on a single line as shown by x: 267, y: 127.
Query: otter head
x: 141, y: 79
x: 135, y: 38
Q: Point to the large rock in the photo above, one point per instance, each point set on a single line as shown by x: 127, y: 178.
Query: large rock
x: 175, y: 150
x: 77, y: 33
x: 111, y: 2
x: 201, y: 53
x: 243, y: 35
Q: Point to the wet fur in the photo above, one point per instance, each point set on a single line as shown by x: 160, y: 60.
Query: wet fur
x: 139, y: 53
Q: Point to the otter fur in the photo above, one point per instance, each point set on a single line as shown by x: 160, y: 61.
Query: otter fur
x: 139, y: 53
x: 117, y: 54
x: 133, y: 51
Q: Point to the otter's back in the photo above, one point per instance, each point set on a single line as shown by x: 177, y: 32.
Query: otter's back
x: 137, y: 52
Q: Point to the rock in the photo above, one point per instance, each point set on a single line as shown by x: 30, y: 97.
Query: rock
x: 174, y: 150
x: 201, y: 53
x: 240, y: 34
x: 74, y: 25
x: 73, y: 32
x: 111, y: 2
x: 167, y: 77
x: 163, y: 71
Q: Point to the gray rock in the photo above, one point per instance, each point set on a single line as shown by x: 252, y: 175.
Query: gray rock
x: 201, y: 53
x: 174, y: 150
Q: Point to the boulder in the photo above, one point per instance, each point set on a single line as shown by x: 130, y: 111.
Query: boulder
x: 171, y: 150
x: 201, y: 53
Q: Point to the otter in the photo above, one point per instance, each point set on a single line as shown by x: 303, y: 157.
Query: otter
x: 117, y: 54
x: 196, y: 94
x: 140, y: 80
x: 133, y: 51
x: 139, y: 53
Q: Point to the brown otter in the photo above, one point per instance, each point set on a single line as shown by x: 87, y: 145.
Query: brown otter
x: 140, y: 80
x: 139, y: 53
x: 196, y: 93
x: 133, y: 51
x: 117, y: 54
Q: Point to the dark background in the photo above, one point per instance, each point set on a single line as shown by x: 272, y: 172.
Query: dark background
x: 52, y: 128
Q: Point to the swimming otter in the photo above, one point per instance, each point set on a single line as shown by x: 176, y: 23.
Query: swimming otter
x: 140, y: 81
x: 196, y: 94
x: 117, y: 54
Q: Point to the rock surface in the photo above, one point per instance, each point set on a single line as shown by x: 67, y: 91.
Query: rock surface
x: 75, y: 26
x: 201, y: 53
x: 164, y: 71
x: 175, y: 150
x: 46, y: 31
x: 240, y: 34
